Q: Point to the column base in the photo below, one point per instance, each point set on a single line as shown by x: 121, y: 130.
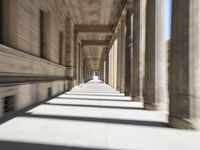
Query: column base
x: 126, y: 93
x: 182, y: 123
x: 137, y: 98
x: 149, y: 106
x: 121, y: 91
x: 118, y: 89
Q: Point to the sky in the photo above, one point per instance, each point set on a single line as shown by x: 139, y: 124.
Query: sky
x: 168, y: 11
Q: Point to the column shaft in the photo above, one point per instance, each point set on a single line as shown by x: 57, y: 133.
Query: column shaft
x: 70, y: 58
x: 81, y: 63
x: 102, y: 72
x: 115, y: 64
x: 107, y: 69
x: 128, y: 53
x: 122, y: 54
x: 77, y: 58
x: 138, y: 54
x: 184, y: 83
x: 155, y: 90
x: 119, y: 49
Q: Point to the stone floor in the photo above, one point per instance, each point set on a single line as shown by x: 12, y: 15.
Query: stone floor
x: 93, y: 116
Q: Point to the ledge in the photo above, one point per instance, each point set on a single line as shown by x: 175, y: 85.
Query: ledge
x: 17, y: 63
x: 21, y: 54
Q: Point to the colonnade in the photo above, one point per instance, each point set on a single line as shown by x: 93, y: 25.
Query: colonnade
x: 138, y: 63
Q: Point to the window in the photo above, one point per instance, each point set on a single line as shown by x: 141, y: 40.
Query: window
x: 8, y: 21
x: 9, y: 104
x: 44, y: 34
x: 61, y: 54
x: 49, y: 92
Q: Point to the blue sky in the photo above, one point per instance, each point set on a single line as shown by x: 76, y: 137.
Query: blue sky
x: 168, y: 11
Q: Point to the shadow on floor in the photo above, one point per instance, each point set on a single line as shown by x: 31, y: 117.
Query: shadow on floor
x: 94, y: 92
x: 12, y: 145
x: 93, y: 99
x: 99, y: 120
x: 14, y: 114
x: 94, y: 106
x: 109, y: 95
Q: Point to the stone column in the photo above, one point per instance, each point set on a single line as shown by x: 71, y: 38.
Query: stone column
x: 119, y: 32
x: 84, y: 70
x: 107, y: 69
x: 101, y: 72
x: 138, y: 53
x: 81, y: 63
x: 128, y: 52
x: 70, y: 62
x: 111, y: 60
x: 77, y: 58
x: 155, y: 90
x: 115, y: 64
x: 184, y: 82
x: 122, y: 54
x: 87, y: 73
x: 104, y: 74
x: 112, y: 66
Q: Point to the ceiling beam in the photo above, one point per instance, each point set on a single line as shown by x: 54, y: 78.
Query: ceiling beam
x: 95, y: 43
x: 102, y: 29
x: 119, y: 13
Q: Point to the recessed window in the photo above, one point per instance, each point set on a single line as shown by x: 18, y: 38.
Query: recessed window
x: 49, y: 92
x: 7, y: 19
x: 9, y: 104
x: 61, y: 53
x: 44, y: 34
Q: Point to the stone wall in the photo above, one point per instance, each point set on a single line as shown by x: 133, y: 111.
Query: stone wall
x: 21, y: 26
x: 30, y: 93
x: 24, y: 74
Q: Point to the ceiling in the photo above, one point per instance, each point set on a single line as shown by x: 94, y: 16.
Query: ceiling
x: 93, y: 12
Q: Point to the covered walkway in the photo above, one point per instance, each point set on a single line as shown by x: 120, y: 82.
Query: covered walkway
x: 93, y: 116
